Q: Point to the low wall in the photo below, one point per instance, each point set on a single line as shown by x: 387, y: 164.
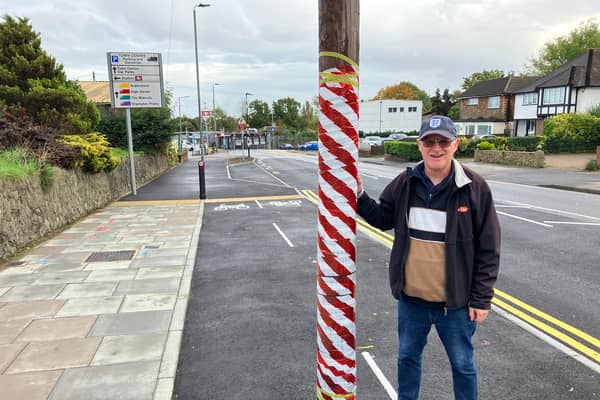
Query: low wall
x: 515, y: 158
x: 27, y: 213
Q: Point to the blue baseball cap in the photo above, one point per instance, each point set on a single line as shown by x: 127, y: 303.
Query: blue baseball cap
x: 438, y: 125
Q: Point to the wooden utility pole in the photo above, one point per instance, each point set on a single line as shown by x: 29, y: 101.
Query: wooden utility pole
x: 338, y: 156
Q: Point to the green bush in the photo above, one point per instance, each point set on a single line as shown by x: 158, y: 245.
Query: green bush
x: 408, y: 151
x: 485, y: 145
x: 525, y: 143
x: 96, y: 155
x: 572, y: 133
x: 16, y: 163
x: 592, y: 165
x: 466, y: 147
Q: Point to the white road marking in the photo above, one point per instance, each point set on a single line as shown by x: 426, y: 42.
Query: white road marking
x: 572, y: 223
x: 285, y: 183
x: 380, y: 376
x: 258, y: 204
x: 369, y: 175
x: 283, y: 235
x: 552, y: 342
x: 524, y: 219
x: 552, y: 210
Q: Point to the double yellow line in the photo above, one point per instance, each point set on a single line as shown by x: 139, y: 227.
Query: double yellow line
x: 575, y: 338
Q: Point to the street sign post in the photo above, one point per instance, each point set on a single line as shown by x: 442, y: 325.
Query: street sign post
x: 135, y: 82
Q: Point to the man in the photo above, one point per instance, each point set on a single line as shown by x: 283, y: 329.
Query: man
x: 445, y: 257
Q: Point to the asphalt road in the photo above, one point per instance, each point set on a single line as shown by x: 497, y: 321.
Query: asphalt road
x: 251, y: 324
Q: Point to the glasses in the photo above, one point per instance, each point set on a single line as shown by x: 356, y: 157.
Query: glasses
x: 432, y: 142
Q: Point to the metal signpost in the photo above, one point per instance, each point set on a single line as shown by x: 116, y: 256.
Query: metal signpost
x: 135, y: 82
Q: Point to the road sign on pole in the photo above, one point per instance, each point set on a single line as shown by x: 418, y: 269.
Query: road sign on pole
x: 135, y: 80
x: 242, y: 125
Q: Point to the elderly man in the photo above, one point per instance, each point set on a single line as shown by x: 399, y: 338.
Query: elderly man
x: 445, y: 258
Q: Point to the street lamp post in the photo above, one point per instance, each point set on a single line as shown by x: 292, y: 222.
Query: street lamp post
x: 213, y: 108
x: 179, y: 133
x: 199, y: 5
x: 247, y: 94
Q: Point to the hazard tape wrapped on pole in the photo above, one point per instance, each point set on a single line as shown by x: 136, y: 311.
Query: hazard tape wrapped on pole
x: 336, y: 239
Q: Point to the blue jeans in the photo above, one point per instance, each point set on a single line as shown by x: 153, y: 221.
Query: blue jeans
x: 455, y: 330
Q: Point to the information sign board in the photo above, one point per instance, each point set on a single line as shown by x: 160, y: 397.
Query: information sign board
x: 135, y: 80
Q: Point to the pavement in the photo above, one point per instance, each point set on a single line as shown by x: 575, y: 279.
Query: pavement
x: 98, y: 310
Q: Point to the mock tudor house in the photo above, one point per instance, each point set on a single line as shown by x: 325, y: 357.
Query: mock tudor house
x: 517, y: 106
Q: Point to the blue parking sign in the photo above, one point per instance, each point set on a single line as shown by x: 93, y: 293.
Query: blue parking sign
x: 115, y: 59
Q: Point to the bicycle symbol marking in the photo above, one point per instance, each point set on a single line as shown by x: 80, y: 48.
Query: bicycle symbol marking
x: 290, y: 203
x: 226, y: 207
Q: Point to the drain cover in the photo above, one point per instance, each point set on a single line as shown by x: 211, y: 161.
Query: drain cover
x: 111, y: 256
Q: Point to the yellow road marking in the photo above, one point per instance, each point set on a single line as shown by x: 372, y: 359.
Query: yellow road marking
x: 549, y: 330
x: 588, y: 338
x: 368, y: 347
x: 591, y: 353
x: 154, y: 202
x: 259, y: 198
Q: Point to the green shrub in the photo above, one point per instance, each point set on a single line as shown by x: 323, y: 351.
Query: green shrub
x: 485, y: 145
x: 17, y: 163
x: 47, y: 175
x: 466, y: 147
x: 525, y: 143
x: 592, y: 165
x: 96, y: 155
x: 572, y: 133
x: 408, y: 151
x: 595, y: 110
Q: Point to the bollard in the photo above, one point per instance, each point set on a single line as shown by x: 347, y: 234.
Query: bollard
x: 201, y: 179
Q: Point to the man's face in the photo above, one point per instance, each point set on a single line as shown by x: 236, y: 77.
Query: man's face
x: 437, y: 152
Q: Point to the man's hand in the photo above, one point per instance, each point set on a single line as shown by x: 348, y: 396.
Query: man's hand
x: 359, y: 182
x: 478, y: 315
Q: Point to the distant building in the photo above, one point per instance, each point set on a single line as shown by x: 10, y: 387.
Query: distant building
x: 390, y: 115
x: 96, y: 91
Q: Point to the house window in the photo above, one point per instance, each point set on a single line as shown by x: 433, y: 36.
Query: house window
x: 473, y: 101
x: 484, y: 129
x: 530, y: 126
x: 554, y: 95
x: 530, y: 99
x: 470, y: 130
x: 401, y: 109
x: 494, y: 102
x: 392, y: 109
x: 412, y: 109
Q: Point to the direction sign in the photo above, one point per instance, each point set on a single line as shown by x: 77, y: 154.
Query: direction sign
x: 135, y: 80
x: 242, y: 125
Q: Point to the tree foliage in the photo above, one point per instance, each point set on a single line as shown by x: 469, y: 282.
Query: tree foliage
x: 484, y: 75
x: 564, y: 48
x: 31, y: 81
x: 442, y: 103
x: 287, y: 112
x: 259, y: 114
x: 404, y: 91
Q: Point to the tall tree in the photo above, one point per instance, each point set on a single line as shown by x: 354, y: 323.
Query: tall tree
x: 33, y: 83
x: 404, y: 91
x: 308, y: 117
x: 441, y: 103
x: 259, y: 114
x: 564, y: 48
x: 484, y: 75
x: 287, y: 111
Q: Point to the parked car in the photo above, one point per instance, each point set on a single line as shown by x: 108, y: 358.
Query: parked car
x: 286, y: 146
x: 396, y: 136
x: 312, y: 145
x: 487, y: 136
x: 409, y: 139
x: 373, y: 140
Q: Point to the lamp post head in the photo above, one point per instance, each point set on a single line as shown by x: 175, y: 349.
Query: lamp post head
x: 248, y: 94
x: 202, y: 5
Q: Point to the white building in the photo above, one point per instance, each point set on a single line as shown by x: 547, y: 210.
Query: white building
x: 390, y: 115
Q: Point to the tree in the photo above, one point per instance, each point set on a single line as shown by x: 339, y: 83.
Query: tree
x: 286, y: 111
x: 32, y: 82
x: 404, y: 91
x: 308, y: 117
x: 259, y: 114
x: 484, y: 75
x: 441, y: 103
x: 564, y: 48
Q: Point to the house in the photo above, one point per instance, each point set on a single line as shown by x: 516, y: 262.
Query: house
x: 97, y: 91
x: 488, y: 106
x: 574, y: 87
x: 517, y: 106
x: 390, y: 115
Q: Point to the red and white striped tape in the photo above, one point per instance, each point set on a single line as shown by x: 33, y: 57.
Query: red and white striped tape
x: 336, y: 258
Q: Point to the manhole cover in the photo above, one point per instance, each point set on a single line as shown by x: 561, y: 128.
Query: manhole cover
x: 111, y: 256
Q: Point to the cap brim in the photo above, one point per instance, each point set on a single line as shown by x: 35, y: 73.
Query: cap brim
x: 445, y: 134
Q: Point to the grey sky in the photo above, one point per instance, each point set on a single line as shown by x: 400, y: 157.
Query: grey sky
x: 269, y: 47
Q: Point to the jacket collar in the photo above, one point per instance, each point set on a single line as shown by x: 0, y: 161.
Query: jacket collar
x: 460, y: 177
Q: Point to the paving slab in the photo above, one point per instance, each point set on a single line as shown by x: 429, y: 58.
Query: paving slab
x: 139, y: 286
x: 55, y: 354
x: 30, y: 309
x: 57, y: 328
x: 130, y: 348
x: 131, y: 381
x: 131, y: 323
x: 148, y: 302
x: 33, y: 292
x: 159, y: 272
x: 91, y: 289
x: 8, y: 352
x: 9, y: 330
x: 111, y: 275
x: 30, y: 386
x: 46, y: 278
x: 91, y: 306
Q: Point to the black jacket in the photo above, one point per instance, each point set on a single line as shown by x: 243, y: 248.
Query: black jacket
x: 472, y: 236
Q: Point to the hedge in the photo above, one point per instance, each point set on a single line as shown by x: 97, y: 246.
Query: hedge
x: 572, y: 133
x: 408, y: 151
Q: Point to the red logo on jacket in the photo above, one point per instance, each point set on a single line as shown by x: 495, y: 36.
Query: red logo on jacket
x: 463, y: 209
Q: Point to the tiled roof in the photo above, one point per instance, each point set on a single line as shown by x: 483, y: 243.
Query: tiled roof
x: 491, y: 87
x: 97, y: 91
x: 582, y: 71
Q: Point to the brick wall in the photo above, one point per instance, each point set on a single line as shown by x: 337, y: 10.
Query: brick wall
x: 481, y: 110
